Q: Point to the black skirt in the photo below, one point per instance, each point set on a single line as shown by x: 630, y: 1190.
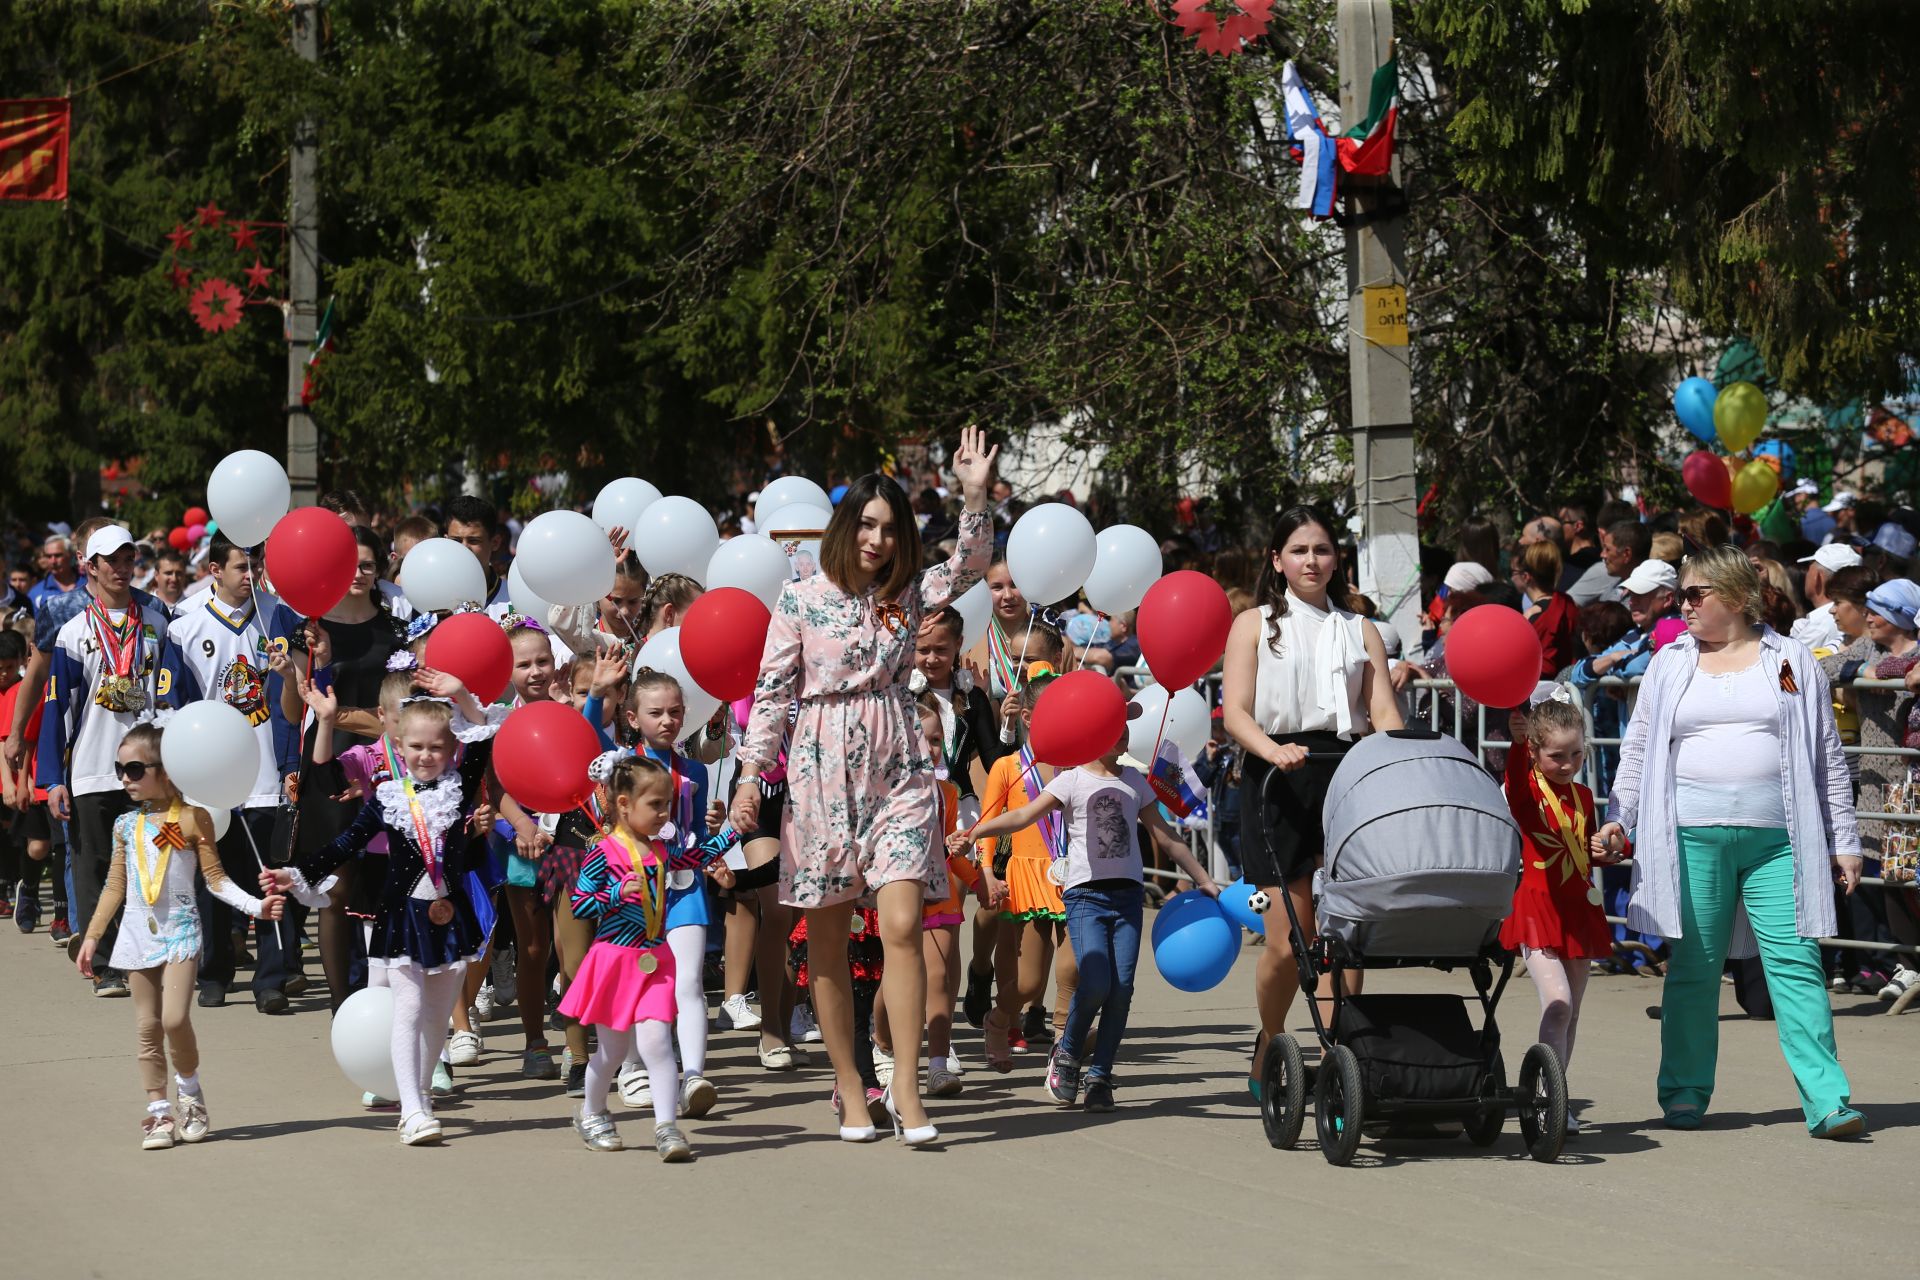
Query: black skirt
x: 1281, y: 834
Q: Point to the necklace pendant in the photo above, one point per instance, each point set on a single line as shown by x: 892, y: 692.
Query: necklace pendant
x: 648, y: 962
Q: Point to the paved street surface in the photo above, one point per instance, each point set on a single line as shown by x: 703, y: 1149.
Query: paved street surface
x: 298, y: 1181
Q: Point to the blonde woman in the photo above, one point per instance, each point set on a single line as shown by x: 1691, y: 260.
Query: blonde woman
x: 1733, y: 782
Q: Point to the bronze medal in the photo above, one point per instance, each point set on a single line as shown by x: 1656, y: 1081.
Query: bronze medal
x: 648, y: 962
x: 441, y: 912
x: 857, y: 926
x: 153, y: 926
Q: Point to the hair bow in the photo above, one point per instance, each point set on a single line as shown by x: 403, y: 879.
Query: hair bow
x: 600, y: 769
x: 403, y: 660
x: 422, y: 624
x: 521, y: 622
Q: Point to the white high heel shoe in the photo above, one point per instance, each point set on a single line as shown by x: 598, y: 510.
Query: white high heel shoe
x: 852, y: 1132
x: 919, y: 1137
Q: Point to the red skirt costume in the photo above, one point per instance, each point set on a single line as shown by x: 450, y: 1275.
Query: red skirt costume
x: 1556, y: 908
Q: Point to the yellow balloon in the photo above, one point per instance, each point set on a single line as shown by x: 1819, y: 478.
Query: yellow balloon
x: 1754, y: 486
x: 1739, y: 415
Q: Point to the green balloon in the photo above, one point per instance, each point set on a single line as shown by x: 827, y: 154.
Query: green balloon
x: 1739, y: 415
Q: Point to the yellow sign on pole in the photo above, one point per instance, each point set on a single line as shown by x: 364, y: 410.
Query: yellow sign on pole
x: 1386, y: 315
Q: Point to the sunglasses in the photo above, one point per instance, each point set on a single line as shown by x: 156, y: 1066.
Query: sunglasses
x: 133, y: 770
x: 1694, y: 595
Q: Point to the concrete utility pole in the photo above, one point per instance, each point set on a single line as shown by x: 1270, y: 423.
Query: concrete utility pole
x: 303, y: 273
x: 1377, y: 353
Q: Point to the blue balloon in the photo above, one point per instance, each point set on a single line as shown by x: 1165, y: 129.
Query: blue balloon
x: 1194, y: 942
x: 1693, y: 401
x: 1233, y: 901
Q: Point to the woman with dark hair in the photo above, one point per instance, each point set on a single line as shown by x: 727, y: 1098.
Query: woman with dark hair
x: 1304, y: 675
x: 861, y: 806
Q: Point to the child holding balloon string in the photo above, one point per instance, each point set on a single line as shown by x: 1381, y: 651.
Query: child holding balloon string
x: 159, y: 942
x: 626, y: 986
x: 1099, y: 804
x: 425, y: 932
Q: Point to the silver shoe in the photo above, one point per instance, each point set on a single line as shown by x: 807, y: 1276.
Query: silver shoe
x: 194, y: 1124
x: 597, y: 1131
x: 697, y: 1096
x: 671, y: 1144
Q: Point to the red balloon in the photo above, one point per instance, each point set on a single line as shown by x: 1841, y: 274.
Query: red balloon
x: 1079, y: 717
x: 311, y: 558
x: 1493, y: 654
x: 195, y: 515
x: 1183, y: 625
x: 1707, y: 479
x: 721, y: 639
x: 541, y: 755
x: 473, y: 647
x: 180, y: 539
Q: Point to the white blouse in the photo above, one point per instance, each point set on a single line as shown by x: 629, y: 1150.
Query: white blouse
x: 1314, y: 683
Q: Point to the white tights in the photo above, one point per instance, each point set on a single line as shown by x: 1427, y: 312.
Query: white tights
x: 422, y: 1004
x: 1560, y: 985
x: 653, y: 1043
x: 689, y: 946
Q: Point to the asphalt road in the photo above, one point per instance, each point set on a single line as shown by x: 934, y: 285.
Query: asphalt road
x: 298, y: 1181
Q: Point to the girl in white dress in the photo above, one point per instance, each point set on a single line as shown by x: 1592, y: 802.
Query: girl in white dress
x: 157, y: 847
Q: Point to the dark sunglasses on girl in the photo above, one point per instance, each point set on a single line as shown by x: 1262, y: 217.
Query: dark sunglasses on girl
x: 133, y: 770
x: 1694, y: 595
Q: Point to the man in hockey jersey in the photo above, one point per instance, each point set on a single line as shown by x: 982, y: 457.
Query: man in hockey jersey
x: 225, y: 648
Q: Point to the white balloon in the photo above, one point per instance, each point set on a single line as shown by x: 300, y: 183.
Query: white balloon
x: 440, y: 573
x: 662, y: 653
x: 565, y: 557
x: 676, y: 535
x: 621, y: 502
x: 210, y: 751
x: 1050, y: 552
x: 752, y: 562
x: 786, y: 491
x: 975, y: 607
x: 795, y: 519
x: 363, y: 1040
x: 525, y: 599
x: 1189, y: 723
x: 222, y: 818
x: 247, y: 494
x: 1126, y: 563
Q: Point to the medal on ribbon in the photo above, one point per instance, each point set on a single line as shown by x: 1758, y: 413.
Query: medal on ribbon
x: 120, y: 652
x: 151, y: 873
x: 1573, y: 837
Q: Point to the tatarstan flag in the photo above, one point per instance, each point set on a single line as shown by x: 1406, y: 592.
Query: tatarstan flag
x: 1367, y: 148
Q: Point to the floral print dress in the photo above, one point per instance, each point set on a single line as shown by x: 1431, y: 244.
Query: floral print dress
x: 861, y: 805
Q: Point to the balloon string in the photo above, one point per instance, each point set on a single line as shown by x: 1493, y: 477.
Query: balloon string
x: 1166, y: 709
x: 261, y: 862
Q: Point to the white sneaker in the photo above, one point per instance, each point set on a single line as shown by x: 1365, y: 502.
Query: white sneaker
x: 802, y: 1028
x: 194, y: 1124
x: 955, y: 1065
x: 464, y: 1049
x: 1896, y: 987
x: 697, y: 1096
x: 737, y: 1015
x: 634, y: 1089
x: 882, y: 1066
x: 1837, y: 982
x: 482, y: 1010
x: 420, y: 1130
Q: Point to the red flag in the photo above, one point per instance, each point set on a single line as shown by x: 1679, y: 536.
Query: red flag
x: 1372, y: 154
x: 33, y: 148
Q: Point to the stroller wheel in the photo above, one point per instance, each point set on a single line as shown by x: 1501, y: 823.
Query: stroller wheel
x: 1483, y: 1126
x: 1542, y: 1099
x: 1283, y: 1091
x: 1339, y: 1105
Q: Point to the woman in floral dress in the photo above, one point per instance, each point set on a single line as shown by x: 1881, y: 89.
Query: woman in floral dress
x: 860, y: 810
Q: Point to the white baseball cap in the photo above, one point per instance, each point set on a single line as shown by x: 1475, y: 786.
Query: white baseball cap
x: 1833, y: 557
x: 1806, y: 488
x: 106, y: 541
x: 1841, y: 501
x: 1650, y: 575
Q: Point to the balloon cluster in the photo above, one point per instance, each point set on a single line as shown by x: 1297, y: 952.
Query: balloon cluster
x: 1734, y: 416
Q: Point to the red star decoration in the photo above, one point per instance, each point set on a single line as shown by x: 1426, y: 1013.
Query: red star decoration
x: 1227, y: 36
x: 210, y: 214
x: 242, y: 233
x: 215, y: 306
x: 258, y: 276
x: 180, y: 277
x: 181, y: 236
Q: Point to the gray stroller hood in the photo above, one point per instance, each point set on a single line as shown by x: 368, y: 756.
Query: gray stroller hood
x: 1422, y: 854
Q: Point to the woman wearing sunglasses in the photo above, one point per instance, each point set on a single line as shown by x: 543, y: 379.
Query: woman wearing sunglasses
x: 1733, y: 783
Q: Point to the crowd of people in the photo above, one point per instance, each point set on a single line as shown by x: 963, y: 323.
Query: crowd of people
x: 808, y: 859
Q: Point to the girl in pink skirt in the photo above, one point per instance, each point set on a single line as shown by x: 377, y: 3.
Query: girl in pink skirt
x: 625, y: 983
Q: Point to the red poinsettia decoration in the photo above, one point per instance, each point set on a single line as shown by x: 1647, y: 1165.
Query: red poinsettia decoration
x: 215, y: 306
x: 1224, y: 36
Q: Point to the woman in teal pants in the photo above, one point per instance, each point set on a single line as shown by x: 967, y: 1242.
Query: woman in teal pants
x: 1733, y: 781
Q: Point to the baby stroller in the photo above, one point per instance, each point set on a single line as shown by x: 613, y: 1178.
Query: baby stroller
x: 1421, y: 864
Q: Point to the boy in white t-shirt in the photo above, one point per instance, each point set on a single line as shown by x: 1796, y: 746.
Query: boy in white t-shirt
x: 1101, y: 876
